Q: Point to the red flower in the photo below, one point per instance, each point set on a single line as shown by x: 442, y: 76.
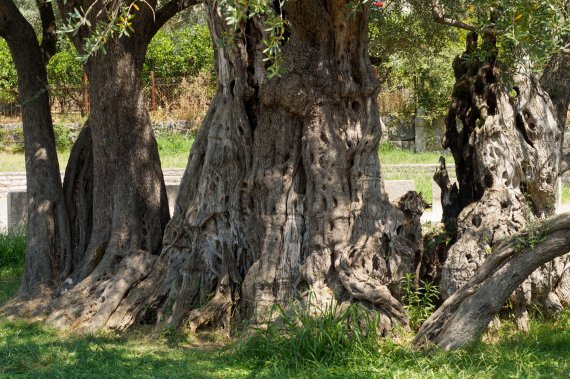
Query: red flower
x: 378, y: 4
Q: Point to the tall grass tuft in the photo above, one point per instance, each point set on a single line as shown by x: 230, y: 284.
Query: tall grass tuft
x: 300, y: 339
x: 12, y: 251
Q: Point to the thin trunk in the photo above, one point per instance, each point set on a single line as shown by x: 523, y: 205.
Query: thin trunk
x: 48, y: 243
x: 127, y: 204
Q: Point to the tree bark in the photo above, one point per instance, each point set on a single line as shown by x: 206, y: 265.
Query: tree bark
x: 128, y: 203
x: 283, y: 196
x: 78, y: 191
x: 465, y: 315
x: 48, y: 242
x: 507, y: 154
x: 556, y: 82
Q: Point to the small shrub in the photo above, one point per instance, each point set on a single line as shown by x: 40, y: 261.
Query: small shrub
x: 63, y: 139
x: 420, y: 300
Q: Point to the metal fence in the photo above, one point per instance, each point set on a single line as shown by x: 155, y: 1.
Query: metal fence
x: 165, y: 95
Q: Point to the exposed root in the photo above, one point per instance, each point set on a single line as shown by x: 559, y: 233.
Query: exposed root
x: 89, y: 305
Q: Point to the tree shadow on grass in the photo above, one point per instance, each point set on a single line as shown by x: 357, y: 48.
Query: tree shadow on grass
x: 32, y: 350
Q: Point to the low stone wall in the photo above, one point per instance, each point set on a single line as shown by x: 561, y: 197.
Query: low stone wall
x: 16, y: 202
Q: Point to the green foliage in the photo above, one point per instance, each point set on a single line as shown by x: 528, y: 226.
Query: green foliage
x: 63, y: 68
x: 413, y: 52
x: 420, y: 301
x: 238, y: 12
x: 8, y: 76
x: 63, y: 139
x: 534, y: 233
x: 527, y: 31
x: 116, y: 22
x: 181, y: 52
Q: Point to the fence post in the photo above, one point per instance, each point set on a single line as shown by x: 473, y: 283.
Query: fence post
x: 152, y: 92
x: 85, y: 93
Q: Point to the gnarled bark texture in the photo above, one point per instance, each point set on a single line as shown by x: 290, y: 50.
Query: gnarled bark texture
x: 465, y: 315
x: 282, y: 195
x: 556, y: 82
x: 48, y: 242
x: 507, y: 154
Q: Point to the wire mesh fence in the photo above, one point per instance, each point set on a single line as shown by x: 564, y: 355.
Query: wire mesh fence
x: 184, y: 98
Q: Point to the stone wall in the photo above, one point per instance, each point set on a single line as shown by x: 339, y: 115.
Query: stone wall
x: 414, y: 133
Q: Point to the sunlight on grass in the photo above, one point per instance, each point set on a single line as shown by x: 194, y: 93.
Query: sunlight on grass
x: 323, y: 347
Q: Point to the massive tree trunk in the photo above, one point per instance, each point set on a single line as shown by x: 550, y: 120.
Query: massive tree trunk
x: 465, y: 315
x: 282, y: 197
x: 129, y: 204
x: 48, y: 242
x: 507, y: 154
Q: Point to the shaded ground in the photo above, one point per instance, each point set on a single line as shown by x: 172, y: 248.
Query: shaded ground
x: 32, y: 350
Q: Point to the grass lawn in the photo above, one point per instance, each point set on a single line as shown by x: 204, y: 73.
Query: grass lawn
x: 320, y: 350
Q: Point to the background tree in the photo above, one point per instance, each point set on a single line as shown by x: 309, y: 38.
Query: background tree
x: 48, y: 244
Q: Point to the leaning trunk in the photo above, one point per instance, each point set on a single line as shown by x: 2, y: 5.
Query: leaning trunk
x: 465, y: 315
x: 283, y: 195
x: 48, y: 243
x: 507, y: 154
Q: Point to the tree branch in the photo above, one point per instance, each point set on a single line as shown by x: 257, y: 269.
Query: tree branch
x: 168, y: 10
x: 49, y: 35
x: 463, y: 317
x: 439, y: 17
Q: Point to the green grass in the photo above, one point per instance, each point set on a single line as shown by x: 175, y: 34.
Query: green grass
x: 389, y: 154
x: 422, y: 176
x: 302, y: 347
x: 565, y: 193
x: 173, y: 149
x: 12, y: 252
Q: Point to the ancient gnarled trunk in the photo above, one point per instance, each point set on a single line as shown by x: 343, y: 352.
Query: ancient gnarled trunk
x: 507, y: 152
x: 556, y: 82
x: 282, y: 196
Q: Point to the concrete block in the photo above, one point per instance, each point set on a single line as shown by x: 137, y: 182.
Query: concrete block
x: 3, y: 212
x: 395, y: 189
x: 17, y: 209
x: 172, y: 193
